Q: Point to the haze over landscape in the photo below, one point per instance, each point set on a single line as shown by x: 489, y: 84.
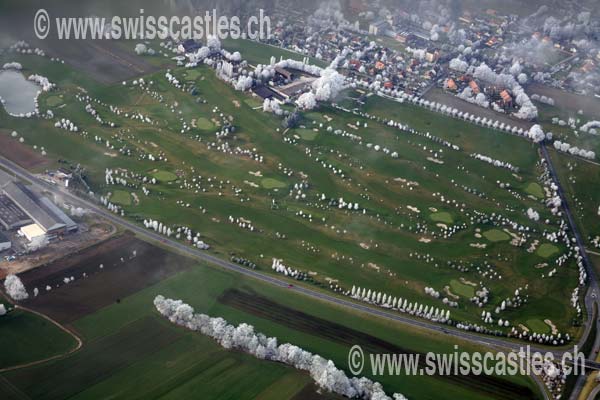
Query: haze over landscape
x: 289, y: 200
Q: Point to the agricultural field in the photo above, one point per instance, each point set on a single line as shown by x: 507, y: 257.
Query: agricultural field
x: 129, y: 350
x: 258, y: 53
x: 26, y: 337
x: 579, y: 176
x: 548, y: 119
x: 325, y: 198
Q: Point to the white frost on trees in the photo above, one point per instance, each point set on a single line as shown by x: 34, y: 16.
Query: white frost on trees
x: 533, y: 215
x: 15, y: 288
x: 329, y: 85
x: 536, y: 133
x: 458, y: 65
x: 307, y: 101
x: 242, y: 337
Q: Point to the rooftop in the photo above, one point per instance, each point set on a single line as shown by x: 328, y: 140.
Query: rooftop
x: 39, y: 211
x: 3, y: 238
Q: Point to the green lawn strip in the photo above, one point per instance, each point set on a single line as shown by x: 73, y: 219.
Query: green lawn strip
x: 121, y: 197
x: 547, y: 250
x: 496, y: 235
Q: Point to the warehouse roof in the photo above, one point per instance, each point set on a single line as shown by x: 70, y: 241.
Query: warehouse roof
x: 31, y: 204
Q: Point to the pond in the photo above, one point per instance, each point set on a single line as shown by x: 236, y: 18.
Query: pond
x: 18, y: 93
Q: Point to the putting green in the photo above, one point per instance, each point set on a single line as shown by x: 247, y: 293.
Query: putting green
x: 307, y: 134
x: 462, y: 289
x: 270, y: 183
x: 204, y: 123
x: 193, y: 74
x: 496, y: 235
x: 121, y: 197
x: 535, y: 190
x: 546, y: 250
x: 252, y: 102
x: 537, y: 326
x: 164, y: 176
x: 443, y: 217
x: 54, y: 101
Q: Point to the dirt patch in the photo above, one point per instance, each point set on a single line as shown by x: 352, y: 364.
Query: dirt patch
x: 265, y: 308
x: 20, y: 153
x: 93, y: 288
x: 552, y: 326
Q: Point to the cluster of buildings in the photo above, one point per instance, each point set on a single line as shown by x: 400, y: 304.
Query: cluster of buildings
x: 26, y: 214
x: 369, y: 57
x: 408, y: 47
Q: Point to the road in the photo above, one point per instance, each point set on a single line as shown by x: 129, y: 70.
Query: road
x: 473, y: 338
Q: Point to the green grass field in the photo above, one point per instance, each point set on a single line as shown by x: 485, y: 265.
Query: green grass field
x: 443, y: 217
x: 26, y: 338
x: 204, y: 123
x: 121, y: 197
x: 270, y: 183
x: 535, y: 190
x: 547, y: 250
x: 496, y: 235
x: 164, y: 176
x: 538, y: 326
x: 307, y: 134
x: 129, y: 350
x: 258, y: 53
x: 462, y: 289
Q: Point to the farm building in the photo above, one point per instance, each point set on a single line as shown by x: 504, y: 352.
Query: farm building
x: 474, y: 87
x: 506, y: 97
x: 4, y: 242
x: 266, y: 92
x: 284, y: 73
x: 21, y: 208
x: 451, y: 85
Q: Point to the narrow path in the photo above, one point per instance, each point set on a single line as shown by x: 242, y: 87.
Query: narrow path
x: 55, y: 357
x: 593, y: 252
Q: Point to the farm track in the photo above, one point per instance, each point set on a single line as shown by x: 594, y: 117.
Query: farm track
x: 55, y: 357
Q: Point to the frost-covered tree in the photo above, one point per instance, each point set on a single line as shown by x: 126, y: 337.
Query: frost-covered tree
x: 536, y: 133
x: 15, y: 288
x: 307, y: 101
x: 458, y: 65
x: 243, y: 337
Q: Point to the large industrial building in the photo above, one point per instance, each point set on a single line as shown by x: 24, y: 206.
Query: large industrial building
x: 34, y: 216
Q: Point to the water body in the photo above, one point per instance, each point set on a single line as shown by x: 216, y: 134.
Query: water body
x: 18, y: 93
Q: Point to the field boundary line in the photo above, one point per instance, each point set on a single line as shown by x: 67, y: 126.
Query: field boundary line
x: 52, y: 358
